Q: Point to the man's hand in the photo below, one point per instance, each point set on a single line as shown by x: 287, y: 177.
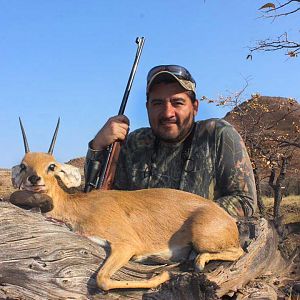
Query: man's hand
x: 115, y: 129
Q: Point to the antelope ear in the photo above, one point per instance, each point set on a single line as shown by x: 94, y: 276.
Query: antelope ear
x: 16, y: 177
x: 69, y: 175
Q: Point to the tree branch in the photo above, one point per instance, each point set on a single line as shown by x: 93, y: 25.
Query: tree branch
x: 281, y: 43
x: 280, y: 7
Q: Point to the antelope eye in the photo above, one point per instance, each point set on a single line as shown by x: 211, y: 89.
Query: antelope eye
x: 51, y: 167
x: 22, y: 167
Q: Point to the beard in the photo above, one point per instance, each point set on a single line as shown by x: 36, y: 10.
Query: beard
x: 171, y: 131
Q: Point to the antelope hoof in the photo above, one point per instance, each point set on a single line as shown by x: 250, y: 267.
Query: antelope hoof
x: 161, y: 278
x: 199, y: 264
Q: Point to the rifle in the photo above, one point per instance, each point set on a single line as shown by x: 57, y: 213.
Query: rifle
x: 101, y: 177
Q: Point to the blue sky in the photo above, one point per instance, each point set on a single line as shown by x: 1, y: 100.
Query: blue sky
x: 72, y: 59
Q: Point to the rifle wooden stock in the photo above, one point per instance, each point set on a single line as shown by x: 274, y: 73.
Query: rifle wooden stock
x: 111, y: 167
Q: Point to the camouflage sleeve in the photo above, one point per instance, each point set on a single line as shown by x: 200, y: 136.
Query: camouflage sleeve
x: 234, y: 174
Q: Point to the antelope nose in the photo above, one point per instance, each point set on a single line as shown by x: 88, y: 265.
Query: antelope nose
x: 33, y: 179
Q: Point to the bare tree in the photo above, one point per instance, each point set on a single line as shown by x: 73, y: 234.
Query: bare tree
x: 270, y: 136
x: 283, y: 41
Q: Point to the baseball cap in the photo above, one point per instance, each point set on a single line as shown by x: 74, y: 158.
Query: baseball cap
x: 179, y: 73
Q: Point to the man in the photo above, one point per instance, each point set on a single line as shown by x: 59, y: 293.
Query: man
x: 207, y: 158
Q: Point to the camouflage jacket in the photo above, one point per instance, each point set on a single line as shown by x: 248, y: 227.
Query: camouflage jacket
x: 216, y: 166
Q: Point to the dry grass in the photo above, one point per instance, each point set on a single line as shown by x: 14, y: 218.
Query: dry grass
x: 290, y: 208
x: 289, y: 200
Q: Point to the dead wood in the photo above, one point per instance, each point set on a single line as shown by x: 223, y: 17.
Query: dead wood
x: 40, y: 259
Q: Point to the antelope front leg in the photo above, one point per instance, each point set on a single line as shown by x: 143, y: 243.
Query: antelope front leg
x: 119, y: 256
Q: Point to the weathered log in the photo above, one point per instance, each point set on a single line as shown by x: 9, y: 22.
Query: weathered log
x: 40, y: 259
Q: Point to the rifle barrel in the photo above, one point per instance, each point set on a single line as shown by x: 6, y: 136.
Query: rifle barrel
x: 140, y: 42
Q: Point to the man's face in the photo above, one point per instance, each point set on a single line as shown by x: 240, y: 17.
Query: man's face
x: 171, y: 112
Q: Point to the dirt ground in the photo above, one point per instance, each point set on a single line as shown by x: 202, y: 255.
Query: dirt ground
x: 281, y: 285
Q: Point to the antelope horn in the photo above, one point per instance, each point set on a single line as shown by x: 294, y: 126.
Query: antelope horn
x: 24, y: 137
x: 50, y: 151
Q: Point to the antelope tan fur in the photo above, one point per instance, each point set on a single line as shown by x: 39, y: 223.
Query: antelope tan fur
x: 155, y: 224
